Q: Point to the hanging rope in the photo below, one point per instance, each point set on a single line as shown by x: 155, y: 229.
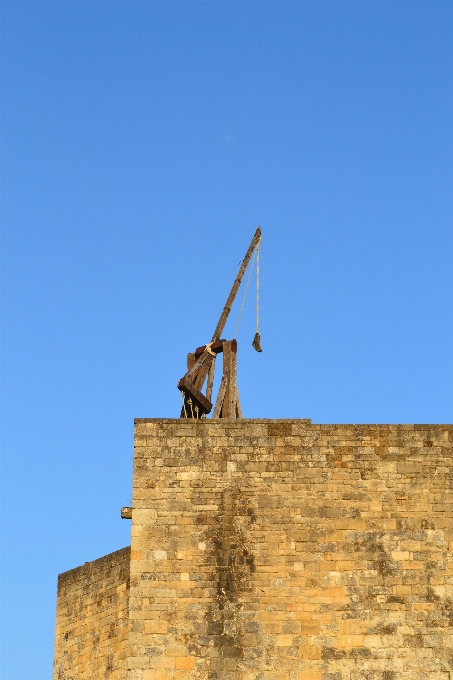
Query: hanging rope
x: 258, y: 287
x: 246, y: 289
x: 256, y: 344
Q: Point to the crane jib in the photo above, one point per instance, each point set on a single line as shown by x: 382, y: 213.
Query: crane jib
x: 201, y: 363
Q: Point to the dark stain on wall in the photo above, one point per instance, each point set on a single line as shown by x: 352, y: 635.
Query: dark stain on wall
x: 231, y: 565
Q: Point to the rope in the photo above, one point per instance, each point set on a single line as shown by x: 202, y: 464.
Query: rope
x: 246, y: 289
x: 184, y: 403
x: 209, y: 350
x: 189, y: 401
x: 258, y: 287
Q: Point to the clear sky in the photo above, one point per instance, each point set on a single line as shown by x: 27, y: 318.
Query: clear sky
x: 142, y: 143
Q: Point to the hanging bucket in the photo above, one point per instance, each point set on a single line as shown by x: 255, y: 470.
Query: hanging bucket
x: 256, y: 344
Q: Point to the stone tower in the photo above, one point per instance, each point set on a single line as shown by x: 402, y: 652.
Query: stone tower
x: 272, y: 550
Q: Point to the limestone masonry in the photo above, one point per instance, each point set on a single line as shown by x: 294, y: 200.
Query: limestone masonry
x: 92, y: 619
x: 272, y: 550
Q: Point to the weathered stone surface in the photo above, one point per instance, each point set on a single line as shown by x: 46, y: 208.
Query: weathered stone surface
x: 284, y: 550
x: 91, y: 634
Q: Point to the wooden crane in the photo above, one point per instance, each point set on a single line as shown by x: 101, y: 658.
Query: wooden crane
x: 201, y: 363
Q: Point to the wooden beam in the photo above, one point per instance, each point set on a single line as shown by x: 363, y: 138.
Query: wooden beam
x: 227, y: 373
x: 197, y: 365
x: 238, y: 406
x: 188, y: 388
x: 220, y: 399
x: 210, y: 380
x: 233, y: 385
x: 237, y: 282
x: 215, y: 347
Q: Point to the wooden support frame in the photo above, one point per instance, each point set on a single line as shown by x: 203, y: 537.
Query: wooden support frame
x: 195, y: 403
x: 201, y: 364
x: 228, y: 404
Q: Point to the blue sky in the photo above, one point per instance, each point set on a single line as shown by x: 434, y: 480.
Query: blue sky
x: 142, y: 143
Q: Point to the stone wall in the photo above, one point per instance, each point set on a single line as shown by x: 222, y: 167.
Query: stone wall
x: 283, y: 550
x: 92, y: 620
